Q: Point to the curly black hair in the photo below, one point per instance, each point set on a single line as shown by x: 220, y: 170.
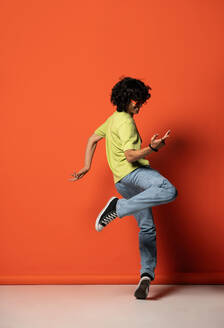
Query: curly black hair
x: 126, y: 89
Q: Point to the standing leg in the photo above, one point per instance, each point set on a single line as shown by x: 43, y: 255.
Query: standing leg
x: 142, y: 189
x: 147, y: 241
x: 147, y: 233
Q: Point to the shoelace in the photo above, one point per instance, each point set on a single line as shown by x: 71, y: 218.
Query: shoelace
x: 111, y: 216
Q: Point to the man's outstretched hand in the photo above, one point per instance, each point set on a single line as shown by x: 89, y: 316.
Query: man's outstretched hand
x: 159, y: 143
x: 79, y: 175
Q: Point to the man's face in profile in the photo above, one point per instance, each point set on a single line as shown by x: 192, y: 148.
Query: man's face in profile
x: 134, y: 107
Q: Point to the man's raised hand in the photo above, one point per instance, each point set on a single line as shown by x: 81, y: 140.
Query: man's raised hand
x: 159, y: 143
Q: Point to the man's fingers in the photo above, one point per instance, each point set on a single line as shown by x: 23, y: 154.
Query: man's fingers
x: 74, y: 179
x: 154, y: 137
x: 75, y: 175
x: 79, y: 175
x: 168, y: 132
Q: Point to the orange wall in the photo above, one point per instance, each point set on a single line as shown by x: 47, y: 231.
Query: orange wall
x: 60, y: 60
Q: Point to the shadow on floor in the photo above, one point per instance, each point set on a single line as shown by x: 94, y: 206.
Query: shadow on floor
x: 162, y: 292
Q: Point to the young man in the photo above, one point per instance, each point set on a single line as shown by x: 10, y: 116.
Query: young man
x: 141, y: 186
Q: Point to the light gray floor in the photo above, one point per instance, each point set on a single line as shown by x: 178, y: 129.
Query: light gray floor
x: 78, y: 306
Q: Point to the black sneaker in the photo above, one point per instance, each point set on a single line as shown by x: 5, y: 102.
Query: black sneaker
x: 142, y: 289
x: 107, y: 214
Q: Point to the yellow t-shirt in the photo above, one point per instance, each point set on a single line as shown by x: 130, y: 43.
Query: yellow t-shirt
x: 121, y: 134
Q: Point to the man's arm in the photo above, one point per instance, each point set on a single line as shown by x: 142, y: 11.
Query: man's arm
x: 90, y: 149
x: 133, y: 155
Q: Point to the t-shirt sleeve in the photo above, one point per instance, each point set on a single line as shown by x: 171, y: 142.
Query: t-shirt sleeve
x: 129, y: 136
x: 101, y: 130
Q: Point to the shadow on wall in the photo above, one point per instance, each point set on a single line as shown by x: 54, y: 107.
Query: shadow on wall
x: 180, y: 225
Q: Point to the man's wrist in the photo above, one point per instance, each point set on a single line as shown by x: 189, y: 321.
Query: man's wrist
x: 154, y: 149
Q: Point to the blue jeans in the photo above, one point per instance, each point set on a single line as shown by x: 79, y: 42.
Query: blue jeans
x: 142, y: 189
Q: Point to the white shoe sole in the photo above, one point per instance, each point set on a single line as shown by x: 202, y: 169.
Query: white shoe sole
x: 98, y: 226
x: 142, y: 289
